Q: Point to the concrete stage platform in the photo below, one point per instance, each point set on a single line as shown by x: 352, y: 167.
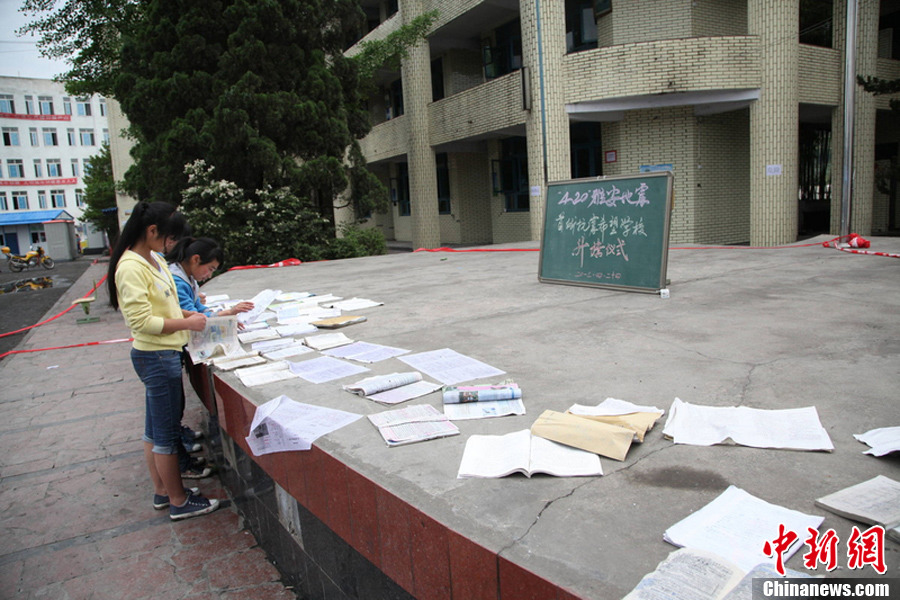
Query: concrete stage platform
x: 762, y: 328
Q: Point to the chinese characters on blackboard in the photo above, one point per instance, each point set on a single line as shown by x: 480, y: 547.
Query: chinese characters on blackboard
x: 607, y: 231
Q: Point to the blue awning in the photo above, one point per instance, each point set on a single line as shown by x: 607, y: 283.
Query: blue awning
x: 30, y: 217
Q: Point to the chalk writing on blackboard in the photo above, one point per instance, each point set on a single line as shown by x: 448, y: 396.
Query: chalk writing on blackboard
x: 607, y: 231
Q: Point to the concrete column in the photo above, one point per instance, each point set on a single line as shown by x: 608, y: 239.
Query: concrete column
x: 416, y: 73
x: 546, y: 125
x: 864, y: 125
x: 774, y: 123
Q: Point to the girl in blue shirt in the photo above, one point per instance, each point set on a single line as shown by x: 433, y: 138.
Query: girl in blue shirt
x: 193, y: 260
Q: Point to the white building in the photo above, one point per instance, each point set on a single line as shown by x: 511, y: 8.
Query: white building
x: 48, y: 139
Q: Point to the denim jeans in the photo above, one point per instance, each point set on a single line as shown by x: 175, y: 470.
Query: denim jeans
x: 160, y: 371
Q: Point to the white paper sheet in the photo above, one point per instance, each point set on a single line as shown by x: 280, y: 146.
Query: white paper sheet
x: 450, y: 367
x: 404, y: 393
x: 282, y: 425
x: 612, y: 407
x: 297, y: 349
x: 261, y: 302
x: 492, y: 456
x: 236, y: 363
x: 324, y: 368
x: 289, y: 296
x: 883, y: 440
x: 264, y: 377
x: 325, y: 341
x: 484, y: 410
x: 265, y: 373
x: 270, y: 345
x: 365, y: 352
x: 295, y: 329
x: 736, y: 526
x: 412, y: 424
x: 794, y: 428
x: 258, y: 335
x: 354, y: 304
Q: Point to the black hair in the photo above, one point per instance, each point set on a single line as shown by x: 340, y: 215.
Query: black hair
x: 206, y: 248
x: 169, y: 223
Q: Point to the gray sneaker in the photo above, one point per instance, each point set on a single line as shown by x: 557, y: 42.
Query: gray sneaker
x: 194, y: 506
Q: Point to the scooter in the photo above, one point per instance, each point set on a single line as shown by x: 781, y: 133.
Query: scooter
x: 32, y: 258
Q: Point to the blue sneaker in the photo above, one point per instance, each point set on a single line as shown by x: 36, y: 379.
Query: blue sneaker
x: 160, y: 502
x: 194, y: 506
x: 189, y: 435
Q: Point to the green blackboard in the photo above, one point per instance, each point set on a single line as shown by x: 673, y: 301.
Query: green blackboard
x: 608, y: 232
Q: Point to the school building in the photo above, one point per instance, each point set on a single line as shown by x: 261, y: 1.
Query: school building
x: 743, y: 100
x: 48, y: 140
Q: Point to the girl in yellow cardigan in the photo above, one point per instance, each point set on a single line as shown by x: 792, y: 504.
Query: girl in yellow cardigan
x: 140, y: 284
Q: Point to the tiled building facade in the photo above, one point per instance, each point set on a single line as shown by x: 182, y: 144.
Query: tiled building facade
x: 48, y: 140
x: 734, y: 96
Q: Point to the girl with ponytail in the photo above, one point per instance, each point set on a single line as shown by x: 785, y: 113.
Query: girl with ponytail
x: 140, y: 284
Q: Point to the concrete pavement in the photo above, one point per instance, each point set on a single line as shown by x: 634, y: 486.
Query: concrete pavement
x: 76, y: 520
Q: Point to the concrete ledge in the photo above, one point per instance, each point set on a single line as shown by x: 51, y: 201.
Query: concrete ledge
x: 773, y: 328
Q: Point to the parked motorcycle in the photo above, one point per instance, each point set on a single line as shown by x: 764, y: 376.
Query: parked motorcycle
x: 33, y: 258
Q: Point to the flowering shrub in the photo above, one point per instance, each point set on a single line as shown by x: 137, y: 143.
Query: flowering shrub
x: 274, y: 225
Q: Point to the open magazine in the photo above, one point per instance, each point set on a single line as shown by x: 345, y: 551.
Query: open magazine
x: 218, y: 337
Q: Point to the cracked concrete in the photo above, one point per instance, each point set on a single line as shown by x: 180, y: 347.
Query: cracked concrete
x: 765, y: 328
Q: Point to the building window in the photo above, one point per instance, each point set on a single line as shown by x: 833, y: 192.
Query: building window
x: 20, y: 200
x: 70, y: 134
x: 401, y: 190
x: 3, y: 204
x: 83, y: 106
x: 38, y: 235
x: 87, y: 137
x: 76, y: 171
x: 581, y: 26
x: 443, y: 182
x: 395, y: 106
x: 817, y: 23
x: 33, y: 136
x: 102, y: 107
x: 506, y: 56
x: 42, y: 198
x: 587, y: 151
x: 7, y: 104
x: 79, y: 198
x: 58, y: 198
x: 437, y: 79
x: 514, y: 174
x: 67, y: 105
x: 38, y: 168
x: 15, y: 168
x: 54, y: 168
x: 10, y: 136
x: 87, y: 166
x: 46, y: 104
x: 29, y: 105
x: 50, y: 137
x: 105, y: 136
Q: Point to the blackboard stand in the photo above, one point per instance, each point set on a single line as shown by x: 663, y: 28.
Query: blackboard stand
x: 610, y: 232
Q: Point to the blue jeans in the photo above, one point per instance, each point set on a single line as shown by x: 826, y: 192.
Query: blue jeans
x: 160, y: 371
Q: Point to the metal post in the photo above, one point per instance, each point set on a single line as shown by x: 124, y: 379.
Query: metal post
x: 849, y: 113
